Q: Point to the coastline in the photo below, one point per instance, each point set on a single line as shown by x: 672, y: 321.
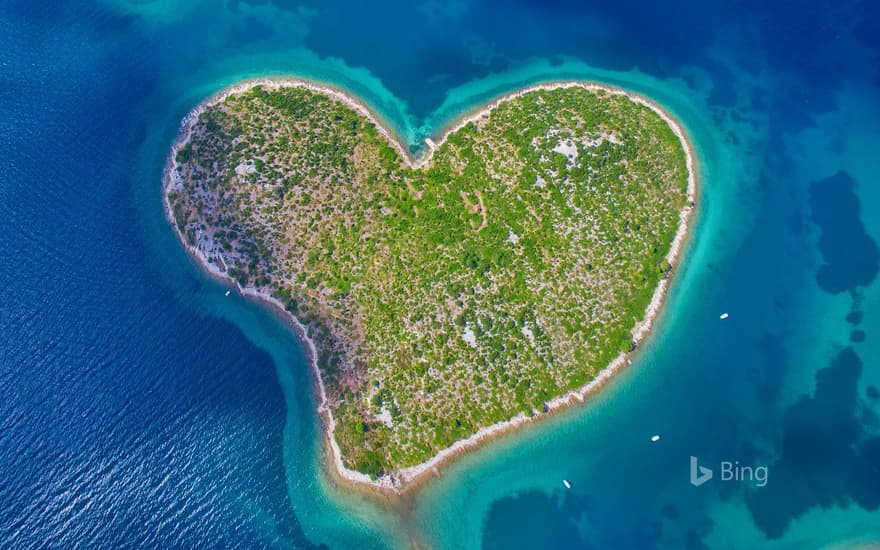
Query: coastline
x: 407, y: 479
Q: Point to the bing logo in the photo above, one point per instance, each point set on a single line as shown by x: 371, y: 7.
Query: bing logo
x: 730, y: 471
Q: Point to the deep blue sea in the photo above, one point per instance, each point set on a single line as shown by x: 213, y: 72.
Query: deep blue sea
x: 140, y: 407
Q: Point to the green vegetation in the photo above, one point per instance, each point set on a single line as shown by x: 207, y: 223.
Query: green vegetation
x: 508, y: 270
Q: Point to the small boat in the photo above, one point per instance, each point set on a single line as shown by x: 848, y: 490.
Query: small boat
x: 655, y: 438
x: 228, y: 292
x: 724, y: 316
x: 566, y: 483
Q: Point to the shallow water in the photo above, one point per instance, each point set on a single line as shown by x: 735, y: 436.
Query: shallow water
x: 141, y: 406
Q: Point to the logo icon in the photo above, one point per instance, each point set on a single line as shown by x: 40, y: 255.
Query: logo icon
x: 699, y: 474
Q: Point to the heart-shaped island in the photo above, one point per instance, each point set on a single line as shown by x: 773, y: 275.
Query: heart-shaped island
x: 450, y: 297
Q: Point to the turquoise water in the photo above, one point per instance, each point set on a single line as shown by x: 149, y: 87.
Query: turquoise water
x: 142, y: 407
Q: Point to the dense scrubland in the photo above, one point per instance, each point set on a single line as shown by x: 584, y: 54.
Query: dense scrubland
x: 507, y: 270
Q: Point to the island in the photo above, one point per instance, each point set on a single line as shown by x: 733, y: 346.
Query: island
x: 505, y: 272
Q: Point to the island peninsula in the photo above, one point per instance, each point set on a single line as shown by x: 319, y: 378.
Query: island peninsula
x: 505, y: 273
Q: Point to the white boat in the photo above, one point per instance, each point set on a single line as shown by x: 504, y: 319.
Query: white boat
x: 227, y: 292
x: 655, y: 438
x: 724, y: 316
x: 566, y: 483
